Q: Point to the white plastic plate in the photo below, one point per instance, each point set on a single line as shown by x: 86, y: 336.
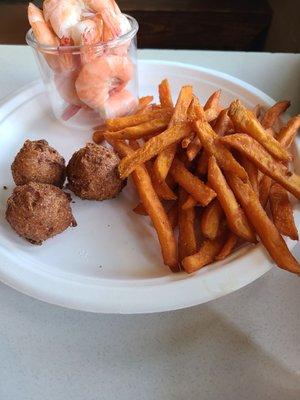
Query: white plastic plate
x: 111, y: 263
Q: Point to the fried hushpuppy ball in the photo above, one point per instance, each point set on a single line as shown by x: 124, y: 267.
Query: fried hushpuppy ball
x: 38, y: 162
x: 92, y: 173
x: 38, y: 211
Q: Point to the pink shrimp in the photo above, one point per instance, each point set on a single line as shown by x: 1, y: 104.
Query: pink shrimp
x: 100, y: 78
x: 115, y: 23
x: 63, y: 15
x: 42, y: 32
x: 87, y: 33
x: 119, y: 104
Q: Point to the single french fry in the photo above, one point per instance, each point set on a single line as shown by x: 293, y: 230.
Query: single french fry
x: 189, y: 203
x: 211, y: 143
x: 273, y: 113
x: 287, y: 134
x: 264, y: 227
x: 236, y: 218
x: 165, y: 96
x: 165, y: 158
x: 210, y: 219
x: 211, y: 114
x: 193, y: 149
x: 162, y: 189
x: 282, y: 212
x: 144, y: 102
x: 139, y: 209
x: 186, y: 141
x: 264, y: 189
x: 206, y: 255
x: 252, y: 172
x: 195, y: 110
x: 213, y: 101
x: 223, y: 123
x: 145, y: 129
x: 256, y: 153
x: 98, y: 136
x: 187, y: 243
x: 193, y: 185
x: 202, y: 163
x: 173, y: 215
x: 153, y: 147
x: 244, y: 121
x: 153, y: 207
x: 117, y: 124
x: 228, y: 247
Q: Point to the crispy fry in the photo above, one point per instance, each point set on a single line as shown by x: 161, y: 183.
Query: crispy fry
x: 162, y: 189
x: 235, y: 216
x: 195, y: 110
x: 187, y: 243
x: 264, y: 161
x: 288, y: 133
x: 206, y: 255
x: 193, y: 185
x: 189, y: 203
x: 117, y: 124
x: 154, y: 208
x: 264, y: 227
x: 153, y: 147
x: 244, y: 121
x: 202, y: 163
x: 186, y: 141
x: 211, y: 114
x: 144, y: 102
x: 223, y: 123
x: 139, y: 209
x: 193, y: 149
x: 252, y: 172
x: 165, y: 96
x: 264, y: 189
x: 285, y: 137
x: 98, y: 136
x: 228, y: 247
x: 282, y: 212
x: 213, y: 101
x: 173, y: 215
x: 211, y: 143
x: 142, y: 130
x: 273, y: 113
x: 210, y: 219
x: 165, y: 158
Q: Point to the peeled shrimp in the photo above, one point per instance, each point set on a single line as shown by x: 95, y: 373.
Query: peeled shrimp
x: 115, y: 23
x: 42, y: 32
x: 119, y: 104
x: 63, y: 15
x: 98, y: 79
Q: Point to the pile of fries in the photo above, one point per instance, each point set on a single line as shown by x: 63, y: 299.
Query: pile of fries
x: 209, y: 178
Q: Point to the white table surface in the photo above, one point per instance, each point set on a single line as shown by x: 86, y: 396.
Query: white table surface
x: 243, y: 346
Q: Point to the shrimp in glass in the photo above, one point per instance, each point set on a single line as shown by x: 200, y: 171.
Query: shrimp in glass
x: 100, y: 78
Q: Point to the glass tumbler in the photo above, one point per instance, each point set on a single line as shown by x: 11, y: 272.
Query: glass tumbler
x: 88, y: 84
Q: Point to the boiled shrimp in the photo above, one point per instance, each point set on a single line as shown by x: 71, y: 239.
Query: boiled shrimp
x: 115, y: 23
x: 42, y: 32
x: 63, y: 15
x: 119, y: 104
x: 100, y: 78
x: 87, y: 33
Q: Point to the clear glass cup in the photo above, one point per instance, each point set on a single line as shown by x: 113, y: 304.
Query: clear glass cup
x: 88, y: 84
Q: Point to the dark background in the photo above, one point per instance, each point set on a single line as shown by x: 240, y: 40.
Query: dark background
x: 255, y: 25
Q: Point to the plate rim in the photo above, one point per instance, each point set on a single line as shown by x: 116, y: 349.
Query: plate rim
x: 108, y: 301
